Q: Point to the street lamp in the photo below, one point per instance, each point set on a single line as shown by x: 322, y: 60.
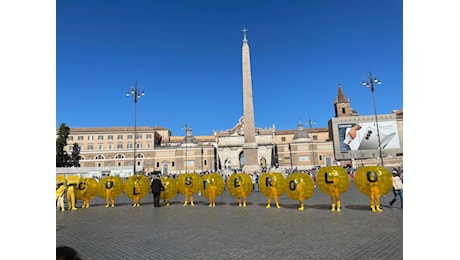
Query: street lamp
x: 135, y: 92
x: 187, y: 130
x: 310, y: 123
x: 370, y: 84
x: 202, y: 170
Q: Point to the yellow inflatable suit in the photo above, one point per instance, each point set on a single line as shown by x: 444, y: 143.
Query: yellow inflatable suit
x: 240, y: 186
x: 86, y: 190
x: 374, y: 181
x: 72, y: 182
x: 333, y: 180
x: 109, y: 188
x: 212, y: 186
x: 188, y: 184
x: 170, y: 189
x: 272, y: 185
x: 300, y: 187
x: 136, y: 187
x: 60, y: 189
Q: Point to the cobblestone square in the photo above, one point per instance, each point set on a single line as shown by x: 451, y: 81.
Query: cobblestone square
x: 231, y: 232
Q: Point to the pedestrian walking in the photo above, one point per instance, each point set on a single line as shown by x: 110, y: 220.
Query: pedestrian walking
x: 157, y: 187
x: 397, y: 188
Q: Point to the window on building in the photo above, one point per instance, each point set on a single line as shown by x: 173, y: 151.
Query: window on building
x: 158, y: 164
x: 130, y: 146
x: 110, y: 147
x: 80, y: 138
x: 205, y: 162
x: 173, y: 163
x: 70, y: 138
x: 138, y: 146
x: 99, y: 157
x: 190, y: 163
x: 320, y: 157
x: 120, y: 137
x: 138, y: 136
x: 149, y: 145
x: 90, y: 138
x: 110, y: 137
x: 119, y: 156
x: 303, y: 158
x: 302, y: 147
x: 149, y: 136
x: 99, y: 164
x: 130, y: 137
x: 315, y: 137
x: 283, y: 139
x: 89, y: 147
x: 119, y: 146
x: 100, y: 137
x: 343, y: 110
x: 99, y: 146
x: 119, y: 164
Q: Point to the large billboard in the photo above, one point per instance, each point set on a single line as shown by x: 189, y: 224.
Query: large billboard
x: 364, y: 136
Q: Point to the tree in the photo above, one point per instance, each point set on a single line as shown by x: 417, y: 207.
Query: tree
x: 62, y: 158
x: 75, y: 155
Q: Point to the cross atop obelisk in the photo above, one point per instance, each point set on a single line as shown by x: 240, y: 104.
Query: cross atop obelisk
x: 244, y: 31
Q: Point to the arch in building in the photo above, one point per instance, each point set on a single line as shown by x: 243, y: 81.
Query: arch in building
x: 164, y: 167
x: 99, y: 157
x: 328, y: 159
x: 118, y: 158
x: 241, y: 159
x: 263, y: 162
x: 226, y: 164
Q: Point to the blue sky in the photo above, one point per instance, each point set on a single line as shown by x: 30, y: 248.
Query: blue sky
x: 186, y: 56
x: 73, y: 61
x: 62, y: 60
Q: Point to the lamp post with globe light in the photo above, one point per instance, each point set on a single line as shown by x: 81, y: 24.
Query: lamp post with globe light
x: 310, y: 123
x: 137, y: 94
x: 370, y: 84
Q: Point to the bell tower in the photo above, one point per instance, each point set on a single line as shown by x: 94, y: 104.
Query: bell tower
x: 342, y: 105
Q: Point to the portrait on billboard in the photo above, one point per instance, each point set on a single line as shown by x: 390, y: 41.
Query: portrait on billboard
x: 364, y: 136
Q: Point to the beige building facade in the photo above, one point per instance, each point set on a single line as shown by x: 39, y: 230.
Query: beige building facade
x: 111, y: 149
x: 378, y: 140
x: 117, y: 150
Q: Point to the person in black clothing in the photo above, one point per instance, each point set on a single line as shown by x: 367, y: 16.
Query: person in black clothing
x: 157, y: 187
x: 67, y: 253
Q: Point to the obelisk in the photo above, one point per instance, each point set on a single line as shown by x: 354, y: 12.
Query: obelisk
x: 251, y: 163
